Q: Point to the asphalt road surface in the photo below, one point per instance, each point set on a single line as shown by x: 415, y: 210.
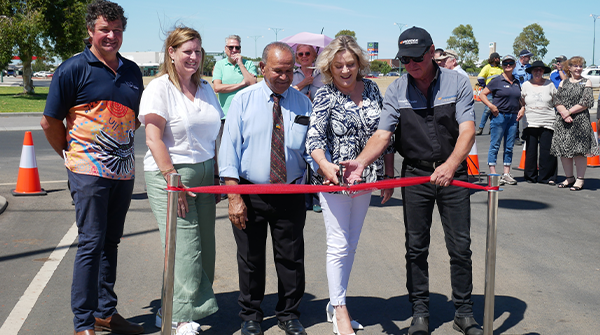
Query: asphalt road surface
x: 547, y: 270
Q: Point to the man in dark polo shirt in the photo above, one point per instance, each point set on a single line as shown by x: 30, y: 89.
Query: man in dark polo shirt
x: 98, y: 92
x: 430, y: 111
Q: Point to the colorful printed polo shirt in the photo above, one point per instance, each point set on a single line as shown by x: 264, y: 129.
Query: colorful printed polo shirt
x: 101, y: 108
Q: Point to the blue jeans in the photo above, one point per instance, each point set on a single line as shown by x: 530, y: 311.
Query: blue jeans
x: 486, y: 113
x: 454, y: 207
x: 502, y: 126
x: 100, y: 208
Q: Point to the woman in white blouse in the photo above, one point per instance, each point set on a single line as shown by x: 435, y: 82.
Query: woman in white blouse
x: 182, y: 118
x: 538, y: 94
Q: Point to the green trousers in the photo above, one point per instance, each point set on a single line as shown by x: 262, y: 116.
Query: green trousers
x: 193, y: 296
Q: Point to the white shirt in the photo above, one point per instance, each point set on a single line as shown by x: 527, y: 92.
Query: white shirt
x: 460, y: 70
x: 539, y: 104
x: 191, y: 128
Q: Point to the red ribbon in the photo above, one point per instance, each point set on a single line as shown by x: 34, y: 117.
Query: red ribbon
x: 301, y: 188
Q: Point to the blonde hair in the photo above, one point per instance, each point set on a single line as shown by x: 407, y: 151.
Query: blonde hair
x: 175, y: 39
x: 342, y: 43
x: 576, y: 60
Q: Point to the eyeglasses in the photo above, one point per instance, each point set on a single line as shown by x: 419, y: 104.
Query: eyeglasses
x: 512, y: 62
x: 302, y: 54
x: 405, y: 60
x: 236, y: 47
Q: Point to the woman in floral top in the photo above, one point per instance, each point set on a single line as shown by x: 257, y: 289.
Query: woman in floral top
x: 345, y: 114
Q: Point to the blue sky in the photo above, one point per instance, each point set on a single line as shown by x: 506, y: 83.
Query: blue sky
x: 568, y: 26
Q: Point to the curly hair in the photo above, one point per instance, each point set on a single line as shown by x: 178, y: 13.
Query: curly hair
x: 110, y: 11
x: 175, y: 39
x: 340, y: 44
x: 576, y: 60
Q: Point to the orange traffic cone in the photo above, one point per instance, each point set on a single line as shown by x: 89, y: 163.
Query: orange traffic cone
x: 522, y: 163
x: 473, y: 161
x: 28, y: 181
x: 476, y: 92
x: 595, y: 160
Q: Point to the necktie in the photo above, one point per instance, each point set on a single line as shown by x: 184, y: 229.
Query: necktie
x: 278, y: 171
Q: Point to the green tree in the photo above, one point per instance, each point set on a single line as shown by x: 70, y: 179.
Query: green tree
x: 533, y: 39
x: 209, y: 64
x: 42, y: 28
x: 379, y: 66
x: 466, y: 46
x: 346, y: 32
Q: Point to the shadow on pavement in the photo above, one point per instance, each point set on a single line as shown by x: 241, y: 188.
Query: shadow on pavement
x: 367, y: 310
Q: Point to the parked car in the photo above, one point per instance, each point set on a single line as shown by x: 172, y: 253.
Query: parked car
x: 393, y: 74
x: 372, y: 75
x: 43, y: 74
x: 592, y: 73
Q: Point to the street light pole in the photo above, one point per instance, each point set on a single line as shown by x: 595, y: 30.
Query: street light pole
x: 400, y: 26
x: 276, y: 30
x: 594, y: 45
x: 255, y: 38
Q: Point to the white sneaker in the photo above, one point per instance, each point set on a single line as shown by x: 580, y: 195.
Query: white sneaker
x: 158, y: 321
x: 508, y: 179
x: 190, y: 328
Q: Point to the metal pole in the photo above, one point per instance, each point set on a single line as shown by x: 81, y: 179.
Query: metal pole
x: 169, y: 266
x: 490, y: 256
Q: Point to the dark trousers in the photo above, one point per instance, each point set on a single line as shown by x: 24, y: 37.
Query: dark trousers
x: 547, y: 163
x: 454, y: 207
x: 100, y: 208
x: 285, y: 216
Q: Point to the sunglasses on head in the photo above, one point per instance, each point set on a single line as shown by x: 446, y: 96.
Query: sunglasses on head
x: 507, y: 63
x: 405, y: 60
x: 302, y: 54
x: 236, y: 47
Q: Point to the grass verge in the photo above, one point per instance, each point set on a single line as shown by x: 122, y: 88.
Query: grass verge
x: 12, y: 100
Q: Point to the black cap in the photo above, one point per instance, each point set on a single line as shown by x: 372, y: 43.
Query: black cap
x: 524, y: 53
x: 413, y: 42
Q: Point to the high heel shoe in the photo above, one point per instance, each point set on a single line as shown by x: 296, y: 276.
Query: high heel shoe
x: 330, y: 313
x: 577, y: 185
x: 335, y: 326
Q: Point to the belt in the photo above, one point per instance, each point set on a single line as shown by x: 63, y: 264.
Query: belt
x: 423, y: 164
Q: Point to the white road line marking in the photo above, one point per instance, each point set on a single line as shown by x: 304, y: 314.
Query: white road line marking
x: 19, y: 313
x: 41, y: 182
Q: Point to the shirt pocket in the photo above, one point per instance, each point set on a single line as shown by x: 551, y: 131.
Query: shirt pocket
x: 298, y: 133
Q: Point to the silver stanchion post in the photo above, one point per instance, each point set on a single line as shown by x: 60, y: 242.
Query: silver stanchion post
x: 169, y: 266
x: 490, y: 256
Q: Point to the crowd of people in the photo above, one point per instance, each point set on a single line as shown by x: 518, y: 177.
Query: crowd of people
x: 323, y: 123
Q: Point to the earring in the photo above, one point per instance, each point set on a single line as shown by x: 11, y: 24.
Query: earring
x: 172, y: 60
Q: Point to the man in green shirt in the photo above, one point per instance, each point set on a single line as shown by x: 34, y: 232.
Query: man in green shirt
x: 231, y: 74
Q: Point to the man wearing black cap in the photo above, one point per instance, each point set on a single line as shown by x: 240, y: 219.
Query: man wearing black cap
x: 430, y: 112
x: 520, y: 72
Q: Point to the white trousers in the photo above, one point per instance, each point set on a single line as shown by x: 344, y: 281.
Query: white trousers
x: 344, y: 217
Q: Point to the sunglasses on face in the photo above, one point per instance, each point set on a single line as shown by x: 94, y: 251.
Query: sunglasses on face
x: 405, y: 60
x: 508, y: 63
x: 302, y: 54
x: 236, y: 47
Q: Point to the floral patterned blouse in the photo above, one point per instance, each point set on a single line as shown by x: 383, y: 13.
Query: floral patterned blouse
x: 341, y: 128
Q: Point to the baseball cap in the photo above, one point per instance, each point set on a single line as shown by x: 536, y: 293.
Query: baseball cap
x: 448, y: 53
x: 561, y: 58
x: 413, y: 42
x: 509, y: 57
x: 524, y: 53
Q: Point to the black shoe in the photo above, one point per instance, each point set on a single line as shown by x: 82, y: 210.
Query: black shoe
x: 292, y: 327
x: 518, y: 141
x: 467, y: 325
x: 419, y: 326
x: 251, y: 328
